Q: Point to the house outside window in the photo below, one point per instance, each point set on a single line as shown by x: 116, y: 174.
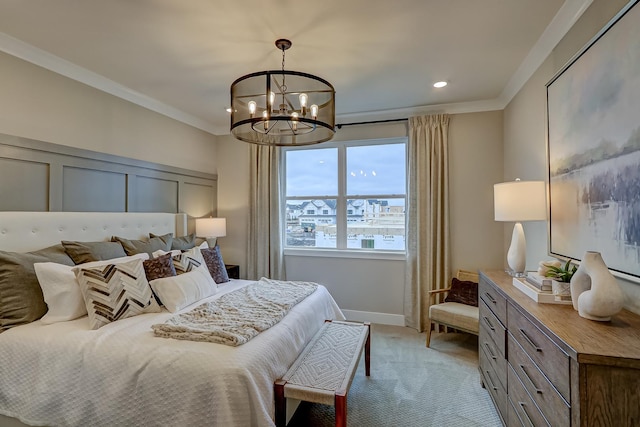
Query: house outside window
x: 360, y: 188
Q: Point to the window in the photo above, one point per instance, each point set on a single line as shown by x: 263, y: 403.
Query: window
x: 360, y: 188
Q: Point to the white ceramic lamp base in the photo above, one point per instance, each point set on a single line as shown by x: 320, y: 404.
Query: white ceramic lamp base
x: 517, y: 254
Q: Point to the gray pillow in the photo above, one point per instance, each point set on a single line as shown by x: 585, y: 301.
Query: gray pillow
x: 183, y: 243
x: 21, y: 299
x: 81, y: 252
x: 132, y: 247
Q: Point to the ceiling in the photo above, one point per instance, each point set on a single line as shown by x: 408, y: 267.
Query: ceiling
x: 180, y: 57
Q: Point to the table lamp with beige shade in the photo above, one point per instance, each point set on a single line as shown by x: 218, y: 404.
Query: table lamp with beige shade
x: 210, y: 229
x: 519, y: 201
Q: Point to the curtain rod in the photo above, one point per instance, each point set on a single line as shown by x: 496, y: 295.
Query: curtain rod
x: 339, y: 125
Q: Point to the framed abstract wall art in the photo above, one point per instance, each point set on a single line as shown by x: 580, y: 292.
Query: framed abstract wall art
x: 593, y: 137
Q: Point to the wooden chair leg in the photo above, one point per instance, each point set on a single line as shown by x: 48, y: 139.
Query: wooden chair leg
x: 429, y: 332
x: 367, y: 351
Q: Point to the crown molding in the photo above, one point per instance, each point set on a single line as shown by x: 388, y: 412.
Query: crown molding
x: 403, y: 113
x: 559, y: 26
x: 44, y: 59
x: 562, y: 22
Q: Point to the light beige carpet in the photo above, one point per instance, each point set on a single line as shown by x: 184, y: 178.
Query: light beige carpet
x: 411, y: 385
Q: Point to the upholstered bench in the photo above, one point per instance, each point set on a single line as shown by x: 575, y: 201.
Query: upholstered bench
x: 324, y: 370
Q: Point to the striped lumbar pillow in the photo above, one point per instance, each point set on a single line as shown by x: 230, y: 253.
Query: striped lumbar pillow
x: 115, y: 291
x: 188, y: 260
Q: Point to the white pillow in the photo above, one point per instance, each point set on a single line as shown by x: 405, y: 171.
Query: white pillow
x: 177, y: 292
x: 61, y: 291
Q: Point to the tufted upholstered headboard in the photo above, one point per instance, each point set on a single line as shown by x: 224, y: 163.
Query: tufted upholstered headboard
x: 29, y: 231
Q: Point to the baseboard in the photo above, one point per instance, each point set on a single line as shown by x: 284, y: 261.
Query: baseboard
x: 373, y: 317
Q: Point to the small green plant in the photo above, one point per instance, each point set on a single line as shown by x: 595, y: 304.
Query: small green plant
x: 562, y: 273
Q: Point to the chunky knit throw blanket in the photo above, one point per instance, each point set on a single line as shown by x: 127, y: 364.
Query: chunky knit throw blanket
x: 236, y: 317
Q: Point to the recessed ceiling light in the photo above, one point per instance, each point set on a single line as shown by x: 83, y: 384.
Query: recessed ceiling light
x: 439, y: 84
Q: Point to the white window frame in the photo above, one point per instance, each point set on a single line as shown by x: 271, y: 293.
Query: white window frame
x: 341, y: 250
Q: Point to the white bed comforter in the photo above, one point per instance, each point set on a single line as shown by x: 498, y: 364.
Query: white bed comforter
x: 121, y: 375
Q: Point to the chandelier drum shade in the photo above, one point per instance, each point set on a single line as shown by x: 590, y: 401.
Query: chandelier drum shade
x: 282, y: 108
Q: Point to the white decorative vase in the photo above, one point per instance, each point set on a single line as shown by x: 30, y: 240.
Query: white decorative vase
x: 594, y: 291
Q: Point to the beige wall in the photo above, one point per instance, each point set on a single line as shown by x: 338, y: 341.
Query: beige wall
x: 377, y: 286
x: 475, y: 162
x: 42, y: 105
x: 233, y: 199
x: 524, y: 127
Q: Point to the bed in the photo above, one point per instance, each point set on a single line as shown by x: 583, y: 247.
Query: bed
x: 65, y: 374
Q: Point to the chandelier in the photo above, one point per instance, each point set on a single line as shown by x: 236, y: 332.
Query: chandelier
x: 282, y: 108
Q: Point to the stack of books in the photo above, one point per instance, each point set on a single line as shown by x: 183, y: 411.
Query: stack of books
x: 541, y: 283
x: 535, y: 290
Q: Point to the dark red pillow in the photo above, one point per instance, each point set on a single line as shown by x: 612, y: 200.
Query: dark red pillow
x: 464, y: 292
x: 160, y: 267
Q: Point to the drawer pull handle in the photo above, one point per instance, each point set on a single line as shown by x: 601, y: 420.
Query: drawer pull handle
x: 539, y: 391
x: 524, y: 410
x: 531, y: 343
x: 491, y: 381
x: 488, y: 322
x: 493, y: 356
x: 491, y: 299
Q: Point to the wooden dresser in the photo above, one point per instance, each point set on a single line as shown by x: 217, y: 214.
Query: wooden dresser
x: 544, y: 365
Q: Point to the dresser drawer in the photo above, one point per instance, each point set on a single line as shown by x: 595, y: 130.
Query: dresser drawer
x: 546, y: 397
x: 549, y: 358
x: 491, y: 327
x: 513, y: 420
x: 493, y: 358
x: 494, y: 300
x: 496, y: 390
x: 526, y: 410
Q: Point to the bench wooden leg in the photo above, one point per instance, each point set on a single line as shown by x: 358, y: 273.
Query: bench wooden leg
x: 367, y: 351
x: 280, y: 403
x: 341, y: 410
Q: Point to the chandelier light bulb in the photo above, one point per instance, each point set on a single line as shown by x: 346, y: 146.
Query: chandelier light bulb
x: 294, y: 121
x: 272, y: 98
x: 314, y: 111
x: 265, y: 117
x: 252, y: 107
x: 303, y: 103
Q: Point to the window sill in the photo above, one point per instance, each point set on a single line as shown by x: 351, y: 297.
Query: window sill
x: 346, y: 253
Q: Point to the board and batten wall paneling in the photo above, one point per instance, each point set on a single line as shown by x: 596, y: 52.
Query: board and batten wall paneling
x: 24, y: 185
x: 89, y: 190
x: 199, y: 196
x: 155, y: 195
x: 41, y: 176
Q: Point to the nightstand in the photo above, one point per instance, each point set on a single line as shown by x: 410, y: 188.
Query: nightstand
x: 233, y: 271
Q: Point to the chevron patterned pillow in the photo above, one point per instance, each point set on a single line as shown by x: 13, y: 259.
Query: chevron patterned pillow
x: 188, y: 260
x: 115, y: 291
